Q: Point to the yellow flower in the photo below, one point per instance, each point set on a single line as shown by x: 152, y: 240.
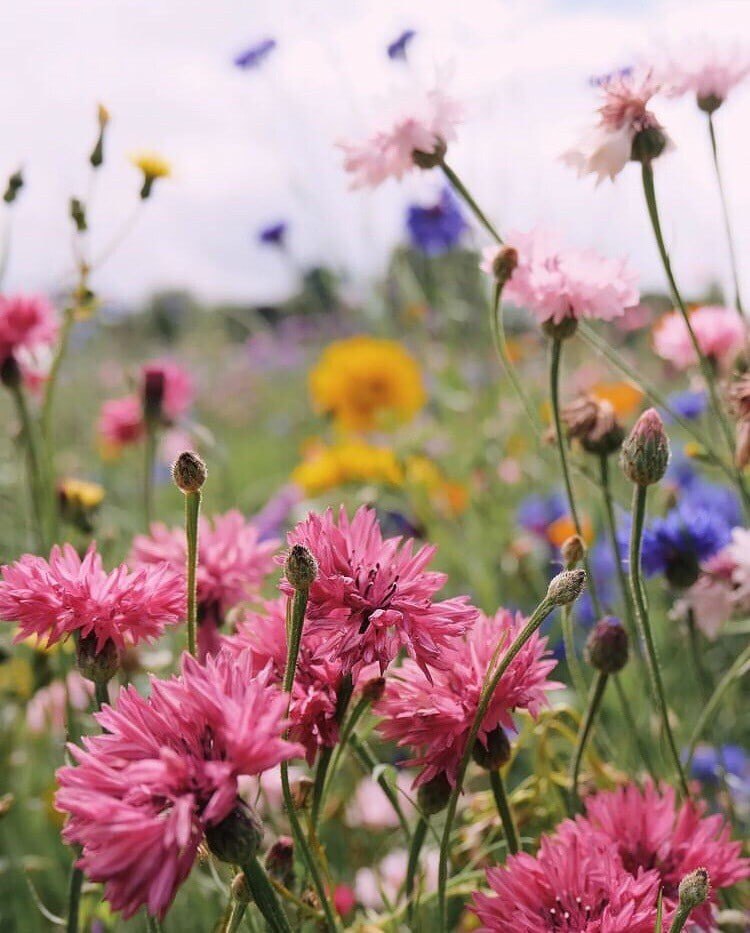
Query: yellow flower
x: 364, y: 382
x: 345, y: 463
x: 79, y: 493
x: 449, y: 497
x: 624, y: 397
x: 151, y: 164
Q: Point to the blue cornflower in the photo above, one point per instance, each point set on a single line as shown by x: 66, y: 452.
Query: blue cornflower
x: 397, y: 49
x: 709, y: 762
x: 536, y: 513
x: 437, y: 229
x: 712, y: 497
x: 677, y: 544
x: 689, y: 405
x: 273, y: 234
x: 256, y: 54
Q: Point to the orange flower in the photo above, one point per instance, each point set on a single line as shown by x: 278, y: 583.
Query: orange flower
x: 561, y: 529
x: 624, y: 397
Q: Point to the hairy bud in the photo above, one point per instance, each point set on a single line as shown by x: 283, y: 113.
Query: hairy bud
x: 495, y: 753
x: 566, y: 587
x: 694, y: 888
x: 645, y: 454
x: 433, y: 796
x: 607, y: 646
x: 237, y: 838
x: 189, y: 472
x: 572, y: 550
x: 300, y: 567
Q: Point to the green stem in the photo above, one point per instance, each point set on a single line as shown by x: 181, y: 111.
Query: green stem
x: 149, y: 459
x: 265, y: 897
x: 680, y: 918
x: 350, y: 723
x: 318, y: 791
x: 369, y: 763
x: 644, y: 629
x: 153, y: 924
x: 101, y: 695
x: 740, y: 667
x: 490, y: 683
x: 192, y: 511
x: 74, y: 899
x: 503, y: 808
x: 475, y: 209
x: 417, y: 841
x: 235, y: 917
x: 34, y: 464
x: 594, y: 702
x: 725, y: 215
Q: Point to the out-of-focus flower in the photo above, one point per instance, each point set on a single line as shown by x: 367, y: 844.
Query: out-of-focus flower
x: 397, y: 49
x: 434, y: 717
x: 738, y: 551
x: 593, y: 423
x: 416, y: 135
x: 424, y: 476
x: 363, y: 382
x: 627, y: 130
x: 120, y: 424
x: 624, y: 397
x: 711, y: 599
x: 53, y: 599
x: 153, y: 166
x: 556, y: 283
x: 271, y: 520
x: 564, y: 526
x: 739, y: 401
x: 374, y: 596
x: 570, y: 884
x: 651, y: 830
x: 437, y: 228
x: 706, y: 70
x: 174, y: 387
x: 375, y: 887
x: 690, y: 404
x: 78, y: 500
x: 28, y: 328
x: 140, y: 799
x: 719, y: 332
x: 710, y: 763
x: 273, y: 234
x: 352, y: 461
x: 256, y: 54
x: 371, y: 808
x: 678, y: 543
x: 47, y: 710
x: 537, y: 512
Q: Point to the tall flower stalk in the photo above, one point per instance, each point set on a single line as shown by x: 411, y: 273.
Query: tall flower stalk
x: 189, y: 473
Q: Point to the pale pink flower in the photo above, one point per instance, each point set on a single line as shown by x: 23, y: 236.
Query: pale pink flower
x: 163, y: 771
x: 719, y: 332
x: 46, y: 711
x: 121, y: 421
x: 707, y: 71
x: 28, y: 324
x: 52, y: 599
x: 605, y: 149
x: 434, y: 718
x: 651, y: 830
x: 554, y: 282
x: 713, y: 599
x: 173, y: 384
x: 373, y: 596
x: 371, y: 808
x: 375, y: 886
x: 572, y: 884
x: 738, y: 551
x: 424, y: 125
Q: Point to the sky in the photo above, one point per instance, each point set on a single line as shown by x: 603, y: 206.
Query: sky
x: 252, y: 147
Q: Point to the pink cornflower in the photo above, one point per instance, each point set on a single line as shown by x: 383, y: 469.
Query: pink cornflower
x: 373, y: 596
x: 28, y: 323
x: 651, y: 830
x: 164, y: 770
x: 713, y: 598
x: 46, y: 710
x: 232, y: 565
x: 172, y: 385
x: 121, y: 422
x: 707, y: 71
x: 313, y: 707
x: 434, y: 718
x: 52, y: 599
x: 719, y: 332
x: 555, y: 282
x: 423, y: 126
x: 624, y: 116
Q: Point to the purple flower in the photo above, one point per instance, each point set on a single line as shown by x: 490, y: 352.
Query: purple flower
x: 397, y: 49
x: 677, y: 544
x: 256, y: 54
x: 436, y: 229
x: 536, y: 513
x: 689, y: 404
x: 273, y: 234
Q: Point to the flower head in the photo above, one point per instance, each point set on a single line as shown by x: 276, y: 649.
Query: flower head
x: 153, y: 166
x: 706, y: 71
x: 556, y: 283
x: 416, y: 134
x: 438, y: 227
x: 718, y: 331
x: 348, y: 462
x: 373, y: 596
x: 363, y: 381
x: 677, y: 544
x: 434, y: 717
x: 164, y: 771
x: 120, y: 423
x: 593, y: 423
x: 52, y: 599
x: 28, y: 328
x: 173, y: 385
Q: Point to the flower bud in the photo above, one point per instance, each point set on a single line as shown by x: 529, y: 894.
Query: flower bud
x: 593, y: 423
x: 648, y: 144
x: 189, y: 472
x: 97, y: 666
x: 153, y: 393
x: 374, y: 689
x: 300, y: 567
x: 645, y: 454
x: 433, y: 796
x: 97, y: 153
x: 709, y: 103
x: 15, y: 183
x: 430, y: 159
x: 504, y: 264
x: 280, y: 861
x: 694, y: 888
x: 572, y: 550
x: 241, y: 889
x: 78, y: 214
x: 560, y: 330
x: 566, y: 587
x: 10, y: 372
x: 238, y: 836
x: 607, y: 646
x: 495, y: 752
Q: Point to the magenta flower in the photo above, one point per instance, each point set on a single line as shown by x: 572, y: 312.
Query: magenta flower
x: 374, y: 596
x: 652, y: 831
x: 121, y: 422
x: 52, y: 599
x: 312, y: 711
x: 424, y: 125
x: 173, y: 384
x: 163, y: 771
x: 573, y: 884
x: 555, y: 283
x: 719, y: 332
x: 707, y: 71
x: 28, y: 323
x: 434, y: 718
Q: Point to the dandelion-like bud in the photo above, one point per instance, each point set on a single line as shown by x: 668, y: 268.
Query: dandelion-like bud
x: 98, y: 666
x: 300, y: 567
x: 607, y: 646
x: 593, y: 423
x: 374, y: 689
x: 694, y: 888
x: 237, y: 838
x: 241, y: 889
x: 433, y: 796
x: 572, y: 550
x: 15, y: 183
x: 566, y: 587
x: 432, y: 159
x: 189, y: 472
x: 280, y: 861
x: 495, y: 753
x: 645, y: 454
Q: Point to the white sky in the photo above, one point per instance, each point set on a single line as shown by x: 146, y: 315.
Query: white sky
x: 249, y: 147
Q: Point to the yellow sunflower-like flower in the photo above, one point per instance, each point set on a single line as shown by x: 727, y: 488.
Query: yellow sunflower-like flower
x: 349, y: 462
x: 365, y: 382
x: 153, y: 166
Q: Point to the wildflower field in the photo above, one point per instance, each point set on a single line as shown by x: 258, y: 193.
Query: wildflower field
x: 418, y: 607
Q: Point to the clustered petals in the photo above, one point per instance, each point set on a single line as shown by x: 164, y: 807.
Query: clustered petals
x: 719, y: 333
